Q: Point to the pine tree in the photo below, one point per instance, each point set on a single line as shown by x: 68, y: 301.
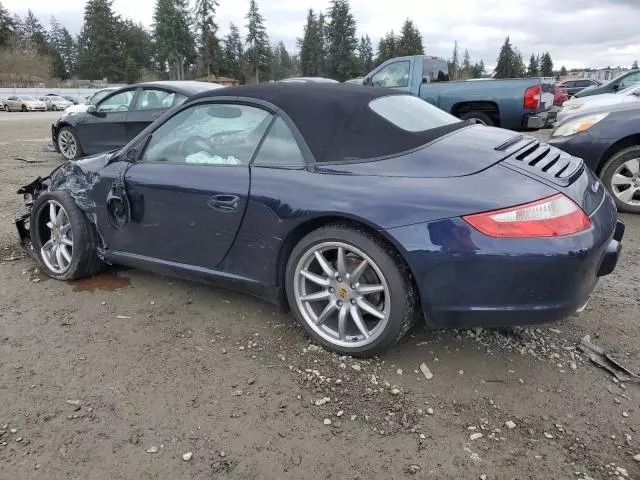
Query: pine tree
x: 635, y: 64
x: 532, y: 70
x: 387, y: 48
x: 509, y: 64
x: 135, y: 49
x: 98, y: 52
x: 466, y: 65
x: 55, y: 39
x: 365, y: 54
x: 410, y: 40
x: 259, y: 51
x: 210, y: 51
x: 309, y: 46
x: 477, y: 71
x: 7, y: 26
x: 454, y: 63
x: 281, y: 65
x: 34, y: 34
x: 342, y: 41
x: 563, y: 71
x: 174, y: 42
x: 546, y: 65
x: 234, y: 54
x: 321, y: 45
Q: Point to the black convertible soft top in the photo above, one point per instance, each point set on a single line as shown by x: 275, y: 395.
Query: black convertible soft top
x: 335, y: 119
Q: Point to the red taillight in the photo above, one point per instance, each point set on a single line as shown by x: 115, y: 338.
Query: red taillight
x: 532, y: 97
x: 550, y: 217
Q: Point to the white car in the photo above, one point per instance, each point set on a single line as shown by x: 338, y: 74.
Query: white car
x: 56, y: 102
x: 93, y: 99
x: 579, y: 106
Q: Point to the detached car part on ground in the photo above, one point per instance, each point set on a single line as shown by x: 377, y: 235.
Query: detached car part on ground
x: 608, y: 139
x: 117, y: 116
x: 359, y: 208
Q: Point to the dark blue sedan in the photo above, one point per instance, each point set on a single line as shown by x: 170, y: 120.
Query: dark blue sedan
x: 361, y: 209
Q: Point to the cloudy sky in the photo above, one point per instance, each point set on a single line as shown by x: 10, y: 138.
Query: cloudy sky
x: 577, y: 33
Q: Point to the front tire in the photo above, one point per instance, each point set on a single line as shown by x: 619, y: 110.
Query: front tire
x: 479, y: 117
x: 349, y: 290
x: 6, y: 108
x: 54, y: 108
x: 68, y: 144
x: 621, y: 177
x: 63, y: 239
x: 24, y: 108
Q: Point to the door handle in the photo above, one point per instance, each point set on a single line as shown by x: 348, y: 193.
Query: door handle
x: 224, y: 203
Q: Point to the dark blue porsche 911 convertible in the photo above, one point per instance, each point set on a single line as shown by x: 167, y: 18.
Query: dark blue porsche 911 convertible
x: 359, y: 208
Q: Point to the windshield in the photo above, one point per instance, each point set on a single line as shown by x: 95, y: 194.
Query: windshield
x: 630, y: 90
x: 56, y: 98
x: 411, y: 113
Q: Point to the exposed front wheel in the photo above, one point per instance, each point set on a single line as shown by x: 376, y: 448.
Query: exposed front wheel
x: 621, y: 176
x: 62, y: 237
x: 349, y: 290
x: 68, y: 144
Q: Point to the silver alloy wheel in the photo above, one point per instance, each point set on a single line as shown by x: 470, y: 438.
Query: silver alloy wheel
x: 67, y: 144
x: 625, y: 182
x: 334, y: 301
x: 57, y: 252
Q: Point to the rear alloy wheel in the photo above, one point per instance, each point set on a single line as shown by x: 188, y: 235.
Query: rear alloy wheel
x: 348, y: 292
x: 68, y: 144
x: 479, y: 117
x: 62, y: 237
x: 621, y: 176
x: 6, y: 108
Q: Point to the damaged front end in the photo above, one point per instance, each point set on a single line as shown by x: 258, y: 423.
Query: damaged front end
x: 70, y: 178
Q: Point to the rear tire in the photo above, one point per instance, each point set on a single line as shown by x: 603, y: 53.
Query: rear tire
x: 54, y: 108
x: 621, y: 177
x: 371, y: 322
x: 6, y: 108
x: 24, y: 108
x: 479, y: 117
x: 80, y: 258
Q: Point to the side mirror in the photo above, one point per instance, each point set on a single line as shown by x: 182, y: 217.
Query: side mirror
x: 131, y: 155
x: 92, y: 109
x: 616, y: 87
x: 366, y: 81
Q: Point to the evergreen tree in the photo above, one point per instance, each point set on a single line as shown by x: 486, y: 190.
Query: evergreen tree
x: 454, y: 63
x: 509, y: 62
x: 281, y: 64
x: 174, y: 42
x: 477, y: 71
x: 342, y: 41
x: 321, y: 45
x: 410, y: 40
x: 519, y: 68
x: 532, y: 70
x: 546, y: 65
x: 309, y: 46
x: 635, y: 64
x: 563, y: 71
x: 466, y: 65
x: 34, y: 34
x: 7, y: 26
x: 234, y: 54
x: 98, y: 52
x: 259, y: 51
x: 365, y: 54
x: 387, y: 48
x: 136, y: 49
x: 55, y: 39
x: 210, y: 51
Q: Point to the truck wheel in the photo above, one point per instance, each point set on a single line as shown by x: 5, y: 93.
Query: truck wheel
x: 479, y: 117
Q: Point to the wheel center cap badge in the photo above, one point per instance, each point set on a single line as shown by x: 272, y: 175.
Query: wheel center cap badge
x: 343, y: 293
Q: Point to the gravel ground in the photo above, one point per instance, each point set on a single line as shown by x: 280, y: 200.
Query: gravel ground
x: 132, y: 375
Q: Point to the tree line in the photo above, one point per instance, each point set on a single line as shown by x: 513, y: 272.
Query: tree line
x: 511, y: 64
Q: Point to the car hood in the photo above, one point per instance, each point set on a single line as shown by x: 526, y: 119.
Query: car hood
x: 463, y: 152
x: 617, y: 107
x: 595, y: 103
x: 603, y: 97
x: 33, y: 103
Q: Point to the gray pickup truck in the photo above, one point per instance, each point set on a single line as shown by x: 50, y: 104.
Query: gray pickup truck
x: 516, y: 104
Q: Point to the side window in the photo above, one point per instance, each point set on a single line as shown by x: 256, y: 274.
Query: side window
x: 117, y: 103
x: 152, y: 99
x: 178, y: 99
x: 630, y: 80
x: 279, y: 147
x: 209, y: 134
x: 393, y: 75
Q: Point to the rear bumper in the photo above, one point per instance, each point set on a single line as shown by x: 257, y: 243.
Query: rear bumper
x: 540, y: 120
x: 467, y: 279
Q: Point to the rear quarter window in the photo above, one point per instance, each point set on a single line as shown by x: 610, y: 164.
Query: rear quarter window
x: 411, y: 113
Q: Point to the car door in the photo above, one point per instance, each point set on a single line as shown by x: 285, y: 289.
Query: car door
x: 105, y: 129
x: 395, y: 75
x: 13, y: 103
x: 151, y: 103
x: 189, y: 189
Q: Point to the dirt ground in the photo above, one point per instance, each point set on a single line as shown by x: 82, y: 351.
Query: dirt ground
x: 97, y: 375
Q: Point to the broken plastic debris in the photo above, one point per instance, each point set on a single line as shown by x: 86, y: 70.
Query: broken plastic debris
x: 598, y: 356
x: 425, y: 371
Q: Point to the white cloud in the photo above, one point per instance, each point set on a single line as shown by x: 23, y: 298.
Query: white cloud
x: 576, y: 32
